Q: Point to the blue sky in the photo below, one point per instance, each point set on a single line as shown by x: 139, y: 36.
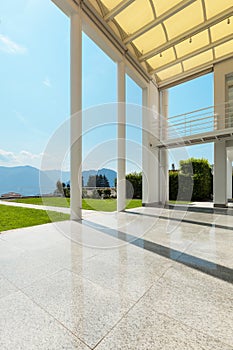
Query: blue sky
x: 34, y: 71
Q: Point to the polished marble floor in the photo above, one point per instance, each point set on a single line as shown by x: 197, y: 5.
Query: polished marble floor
x: 147, y: 279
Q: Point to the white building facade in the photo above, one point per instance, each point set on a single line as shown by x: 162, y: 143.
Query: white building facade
x: 158, y: 47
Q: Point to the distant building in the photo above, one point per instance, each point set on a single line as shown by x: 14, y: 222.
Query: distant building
x: 11, y: 195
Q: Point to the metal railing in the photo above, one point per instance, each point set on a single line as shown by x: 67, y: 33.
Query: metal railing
x: 200, y: 121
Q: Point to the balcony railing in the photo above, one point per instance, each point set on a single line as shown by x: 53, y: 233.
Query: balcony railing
x: 200, y: 121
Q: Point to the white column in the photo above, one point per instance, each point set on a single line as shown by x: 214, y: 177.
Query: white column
x: 121, y: 147
x: 163, y: 159
x: 229, y: 179
x: 76, y: 117
x: 150, y: 153
x: 220, y: 175
x: 164, y: 178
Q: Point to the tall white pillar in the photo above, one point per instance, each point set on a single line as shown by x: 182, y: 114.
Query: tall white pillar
x: 164, y: 176
x: 221, y: 70
x: 229, y: 179
x: 163, y: 159
x: 121, y: 133
x: 220, y: 174
x: 150, y: 152
x: 76, y: 117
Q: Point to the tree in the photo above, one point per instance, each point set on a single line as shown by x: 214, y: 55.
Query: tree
x: 193, y: 181
x: 59, y: 188
x: 135, y: 189
x: 105, y: 181
x: 107, y: 193
x: 91, y: 181
x: 100, y: 192
x: 97, y: 181
x: 200, y: 170
x: 84, y: 193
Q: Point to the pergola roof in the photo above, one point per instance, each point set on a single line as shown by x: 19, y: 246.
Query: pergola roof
x: 172, y: 38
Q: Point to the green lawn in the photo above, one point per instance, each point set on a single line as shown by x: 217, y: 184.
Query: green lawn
x: 50, y: 201
x: 88, y: 203
x: 179, y: 202
x: 16, y: 217
x: 108, y: 204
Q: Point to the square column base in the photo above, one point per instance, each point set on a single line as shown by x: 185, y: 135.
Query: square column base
x: 216, y: 205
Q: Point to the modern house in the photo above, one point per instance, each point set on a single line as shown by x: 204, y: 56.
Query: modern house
x: 147, y: 277
x: 11, y: 195
x: 159, y: 44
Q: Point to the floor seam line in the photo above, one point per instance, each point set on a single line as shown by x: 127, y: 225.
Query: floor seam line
x: 193, y: 328
x: 54, y: 318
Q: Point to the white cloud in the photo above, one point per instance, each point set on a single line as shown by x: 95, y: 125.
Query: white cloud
x: 47, y: 82
x: 8, y: 158
x: 9, y: 46
x: 29, y: 155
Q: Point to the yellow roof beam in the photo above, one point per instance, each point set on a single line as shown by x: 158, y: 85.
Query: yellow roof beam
x: 192, y: 73
x: 159, y: 20
x: 203, y: 26
x: 193, y: 53
x: 116, y: 10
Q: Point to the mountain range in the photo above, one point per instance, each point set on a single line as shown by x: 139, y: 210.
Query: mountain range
x: 30, y: 181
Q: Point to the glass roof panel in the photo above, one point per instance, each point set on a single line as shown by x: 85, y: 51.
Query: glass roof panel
x: 170, y: 72
x: 198, y: 60
x: 214, y: 7
x: 161, y: 59
x: 190, y: 19
x: 142, y: 14
x: 110, y: 4
x: 184, y: 20
x: 163, y: 6
x: 222, y: 29
x: 224, y: 49
x: 151, y: 39
x: 192, y: 44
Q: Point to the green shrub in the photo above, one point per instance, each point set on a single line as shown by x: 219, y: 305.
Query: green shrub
x: 185, y: 187
x: 100, y: 192
x: 173, y: 185
x: 136, y: 181
x: 193, y: 181
x: 84, y: 193
x: 107, y: 193
x: 95, y: 194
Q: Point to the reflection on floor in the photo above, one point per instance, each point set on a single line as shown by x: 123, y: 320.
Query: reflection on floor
x: 144, y: 279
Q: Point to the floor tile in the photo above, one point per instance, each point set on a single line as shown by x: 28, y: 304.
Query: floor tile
x: 145, y: 329
x: 193, y: 307
x: 36, y: 237
x: 6, y: 287
x: 25, y: 269
x: 181, y: 276
x: 129, y: 274
x: 89, y: 285
x: 86, y: 309
x: 177, y: 236
x: 24, y: 325
x: 214, y: 245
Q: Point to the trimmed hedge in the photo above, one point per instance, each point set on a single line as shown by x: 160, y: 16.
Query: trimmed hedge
x: 173, y: 184
x: 134, y: 191
x: 194, y: 181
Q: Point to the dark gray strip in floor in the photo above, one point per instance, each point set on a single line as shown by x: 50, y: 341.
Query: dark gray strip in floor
x: 201, y: 223
x: 215, y: 210
x: 219, y: 271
